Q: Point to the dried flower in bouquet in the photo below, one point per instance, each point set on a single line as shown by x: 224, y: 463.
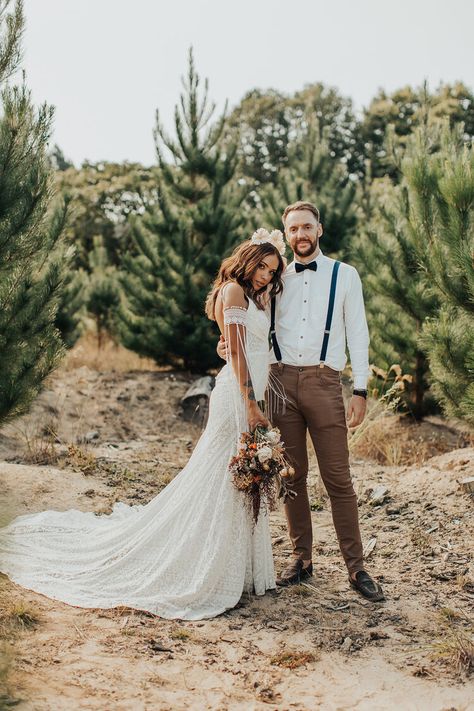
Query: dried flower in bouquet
x: 260, y: 469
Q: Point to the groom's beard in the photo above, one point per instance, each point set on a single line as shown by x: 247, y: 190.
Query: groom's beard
x: 306, y: 250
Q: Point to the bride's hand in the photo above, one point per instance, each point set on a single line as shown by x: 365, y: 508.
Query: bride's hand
x: 256, y: 417
x: 222, y: 348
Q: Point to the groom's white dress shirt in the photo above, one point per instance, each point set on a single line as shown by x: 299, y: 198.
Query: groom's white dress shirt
x: 301, y: 312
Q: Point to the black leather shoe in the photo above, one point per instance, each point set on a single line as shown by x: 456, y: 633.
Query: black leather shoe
x: 367, y: 587
x: 294, y: 573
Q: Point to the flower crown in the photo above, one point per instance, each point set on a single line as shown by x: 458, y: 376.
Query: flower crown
x: 275, y: 238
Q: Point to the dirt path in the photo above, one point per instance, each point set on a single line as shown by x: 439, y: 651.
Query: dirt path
x: 346, y: 653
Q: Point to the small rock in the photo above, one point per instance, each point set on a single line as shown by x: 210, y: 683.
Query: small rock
x: 278, y: 540
x: 156, y: 646
x: 378, y: 495
x: 371, y: 622
x: 370, y: 547
x: 275, y: 626
x: 346, y: 645
x: 91, y: 436
x: 379, y: 634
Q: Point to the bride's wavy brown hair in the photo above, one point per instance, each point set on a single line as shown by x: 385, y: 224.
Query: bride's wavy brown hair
x: 240, y: 267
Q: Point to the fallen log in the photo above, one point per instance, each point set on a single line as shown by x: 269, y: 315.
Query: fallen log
x: 467, y: 485
x: 195, y: 402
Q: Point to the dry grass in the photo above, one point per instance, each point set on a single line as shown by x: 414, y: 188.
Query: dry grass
x: 456, y: 649
x: 450, y: 615
x: 181, y: 634
x: 298, y: 591
x: 465, y: 582
x: 80, y: 459
x: 40, y: 451
x: 16, y: 616
x: 111, y: 357
x: 293, y: 659
x: 39, y: 445
x: 23, y: 616
x: 396, y: 440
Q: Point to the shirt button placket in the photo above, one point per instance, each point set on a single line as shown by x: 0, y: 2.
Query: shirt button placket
x: 304, y: 315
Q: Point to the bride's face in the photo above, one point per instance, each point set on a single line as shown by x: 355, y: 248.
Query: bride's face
x: 265, y: 272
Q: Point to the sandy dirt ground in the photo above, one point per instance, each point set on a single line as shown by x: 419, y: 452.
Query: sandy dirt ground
x: 95, y: 438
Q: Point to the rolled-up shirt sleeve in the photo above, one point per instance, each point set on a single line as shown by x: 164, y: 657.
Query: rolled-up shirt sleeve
x: 357, y: 331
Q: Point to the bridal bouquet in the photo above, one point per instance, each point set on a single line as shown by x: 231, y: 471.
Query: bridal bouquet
x: 260, y: 469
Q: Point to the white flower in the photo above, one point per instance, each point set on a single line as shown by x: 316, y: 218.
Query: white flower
x: 264, y: 453
x: 277, y: 239
x: 272, y: 436
x: 260, y: 236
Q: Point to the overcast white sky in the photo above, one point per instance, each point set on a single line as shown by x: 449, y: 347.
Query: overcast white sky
x: 108, y: 64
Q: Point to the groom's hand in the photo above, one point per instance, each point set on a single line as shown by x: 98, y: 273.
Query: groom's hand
x: 222, y: 348
x: 356, y: 411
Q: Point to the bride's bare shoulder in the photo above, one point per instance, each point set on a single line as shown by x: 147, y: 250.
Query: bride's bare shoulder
x: 232, y: 294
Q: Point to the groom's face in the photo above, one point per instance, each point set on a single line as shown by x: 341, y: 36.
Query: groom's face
x: 303, y: 232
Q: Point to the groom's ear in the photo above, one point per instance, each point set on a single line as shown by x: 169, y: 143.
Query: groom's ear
x: 320, y: 229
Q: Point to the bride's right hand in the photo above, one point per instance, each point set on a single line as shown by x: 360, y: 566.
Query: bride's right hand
x: 256, y: 417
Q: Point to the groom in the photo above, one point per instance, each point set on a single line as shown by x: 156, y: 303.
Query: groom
x: 320, y: 308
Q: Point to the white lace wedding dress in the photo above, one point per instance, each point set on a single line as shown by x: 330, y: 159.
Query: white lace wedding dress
x: 189, y: 553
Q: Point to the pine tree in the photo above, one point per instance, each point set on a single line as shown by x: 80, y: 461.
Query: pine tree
x: 182, y: 239
x: 405, y: 110
x: 71, y: 306
x: 443, y: 228
x: 103, y: 292
x: 31, y: 256
x: 314, y: 174
x: 399, y: 298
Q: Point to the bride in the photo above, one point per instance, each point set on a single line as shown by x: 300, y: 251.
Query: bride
x: 191, y: 551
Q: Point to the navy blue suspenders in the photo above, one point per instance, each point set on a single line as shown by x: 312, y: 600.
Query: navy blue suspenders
x: 276, y: 347
x: 327, y: 329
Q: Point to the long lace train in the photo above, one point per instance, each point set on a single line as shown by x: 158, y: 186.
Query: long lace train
x: 189, y: 553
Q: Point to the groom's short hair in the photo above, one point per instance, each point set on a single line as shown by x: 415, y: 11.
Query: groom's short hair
x: 301, y: 205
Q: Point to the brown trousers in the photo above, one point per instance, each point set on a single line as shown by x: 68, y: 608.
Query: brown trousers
x: 315, y: 404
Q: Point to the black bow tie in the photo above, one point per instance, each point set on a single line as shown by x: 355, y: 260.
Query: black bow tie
x: 301, y: 267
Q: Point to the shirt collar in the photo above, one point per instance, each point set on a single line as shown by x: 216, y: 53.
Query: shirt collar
x: 318, y: 260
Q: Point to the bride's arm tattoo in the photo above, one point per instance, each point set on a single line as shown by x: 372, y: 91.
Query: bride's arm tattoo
x: 250, y: 394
